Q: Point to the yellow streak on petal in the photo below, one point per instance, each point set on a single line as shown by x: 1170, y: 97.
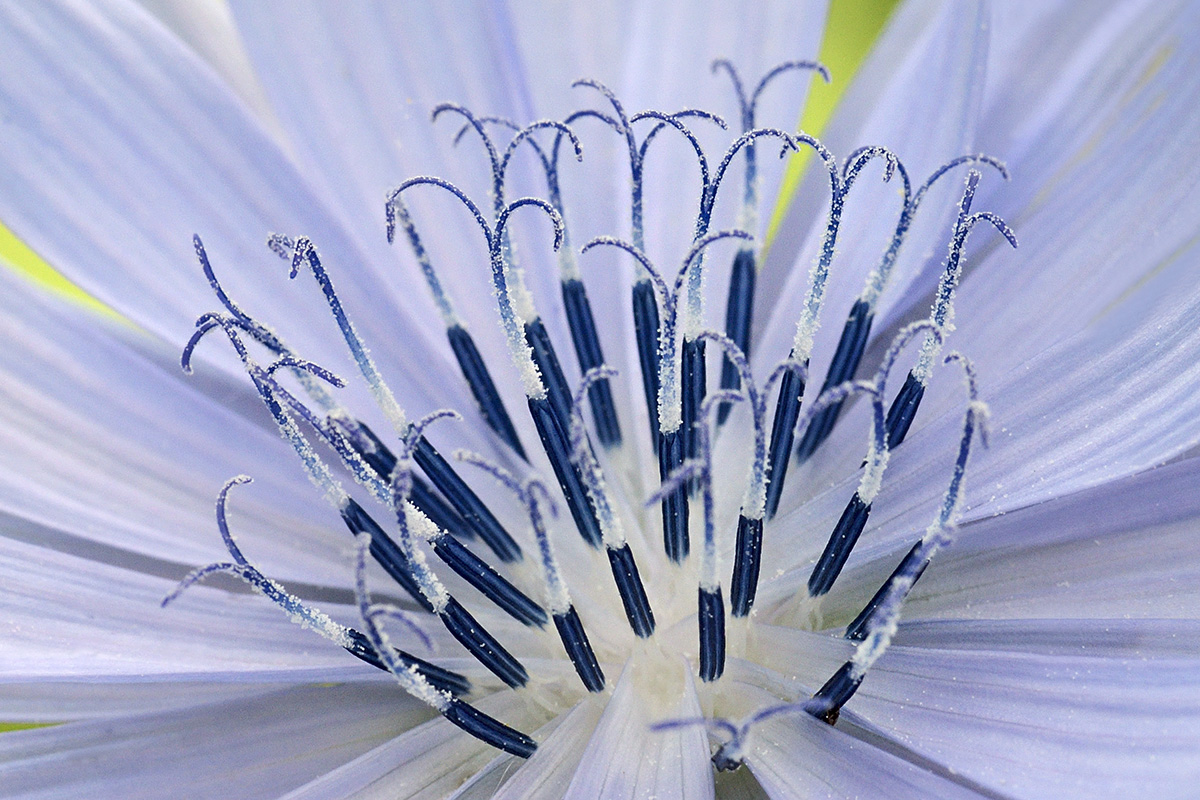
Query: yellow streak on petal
x: 5, y: 727
x: 21, y: 258
x: 850, y: 30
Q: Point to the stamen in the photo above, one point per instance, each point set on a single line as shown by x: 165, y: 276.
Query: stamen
x: 368, y: 446
x: 883, y: 617
x: 459, y: 494
x: 515, y: 290
x: 558, y: 597
x: 739, y: 313
x: 914, y: 563
x: 497, y: 192
x: 470, y: 362
x: 670, y: 418
x: 748, y: 550
x: 481, y: 644
x: 693, y: 378
x: 380, y: 458
x: 305, y: 252
x: 491, y: 584
x: 731, y: 754
x: 711, y: 606
x: 620, y: 557
x: 468, y: 565
x: 694, y: 372
x: 512, y: 323
x: 787, y: 407
x: 854, y: 517
x: 473, y: 510
x: 394, y: 562
x: 580, y: 320
x: 544, y: 406
x: 858, y: 324
x: 306, y: 616
x: 570, y: 481
x: 471, y: 720
x: 404, y: 563
x: 645, y: 309
x: 739, y: 310
x: 904, y: 407
x: 645, y: 326
x: 587, y: 349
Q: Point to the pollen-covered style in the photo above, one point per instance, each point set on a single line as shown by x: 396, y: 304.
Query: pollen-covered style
x: 589, y: 427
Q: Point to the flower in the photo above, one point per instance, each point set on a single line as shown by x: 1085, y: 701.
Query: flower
x: 1047, y: 653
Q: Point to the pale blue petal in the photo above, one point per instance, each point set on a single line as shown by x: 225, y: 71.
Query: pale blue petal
x: 73, y: 618
x: 236, y: 749
x: 123, y: 144
x: 797, y: 756
x: 547, y: 774
x: 1025, y: 724
x: 207, y: 27
x: 428, y: 761
x: 625, y: 759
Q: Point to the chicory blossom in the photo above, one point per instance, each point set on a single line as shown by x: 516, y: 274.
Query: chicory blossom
x: 617, y: 578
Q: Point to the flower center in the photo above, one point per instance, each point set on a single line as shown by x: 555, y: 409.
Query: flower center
x: 714, y: 464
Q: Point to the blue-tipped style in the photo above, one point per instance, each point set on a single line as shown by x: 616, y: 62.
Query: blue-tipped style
x: 631, y: 590
x: 747, y: 564
x: 711, y: 611
x: 579, y: 649
x: 739, y: 313
x: 739, y: 309
x: 483, y: 388
x: 554, y: 441
x: 490, y: 583
x: 473, y: 510
x: 384, y: 550
x: 587, y: 348
x: 846, y: 359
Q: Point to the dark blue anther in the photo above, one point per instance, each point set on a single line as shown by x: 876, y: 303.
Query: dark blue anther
x: 482, y: 387
x: 476, y: 572
x: 856, y: 631
x: 712, y: 634
x: 845, y: 363
x: 738, y: 313
x: 674, y: 504
x: 903, y: 410
x: 441, y: 678
x: 787, y: 411
x: 483, y: 645
x: 694, y: 386
x: 579, y: 649
x: 845, y: 535
x: 384, y: 550
x: 557, y: 447
x: 587, y: 348
x: 836, y: 692
x: 490, y: 730
x: 547, y: 362
x: 747, y: 561
x: 633, y: 593
x: 645, y: 329
x: 465, y: 501
x: 382, y: 460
